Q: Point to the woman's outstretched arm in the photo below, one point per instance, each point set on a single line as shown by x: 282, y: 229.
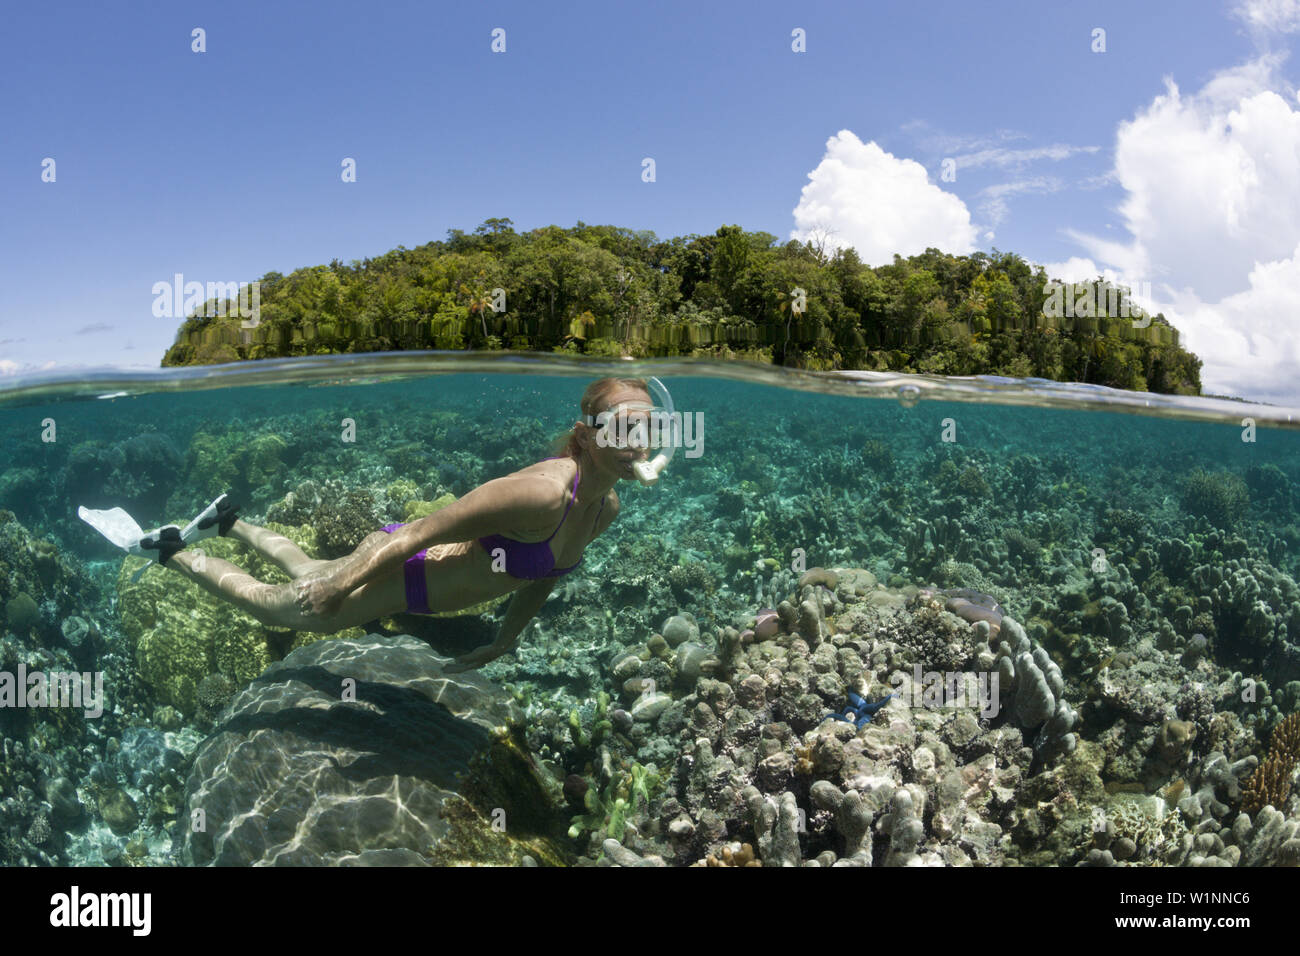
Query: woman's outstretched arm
x: 524, y: 606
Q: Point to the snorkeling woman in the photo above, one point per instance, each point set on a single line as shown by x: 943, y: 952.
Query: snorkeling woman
x: 520, y: 533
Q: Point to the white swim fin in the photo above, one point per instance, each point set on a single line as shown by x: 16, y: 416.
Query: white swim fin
x: 115, y: 525
x: 125, y: 532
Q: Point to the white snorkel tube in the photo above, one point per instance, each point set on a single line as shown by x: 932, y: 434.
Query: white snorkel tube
x: 663, y: 423
x: 647, y: 472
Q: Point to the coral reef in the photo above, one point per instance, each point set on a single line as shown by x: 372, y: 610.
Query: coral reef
x: 339, y: 516
x: 41, y: 585
x: 752, y: 760
x: 1139, y: 612
x: 252, y: 465
x: 137, y: 473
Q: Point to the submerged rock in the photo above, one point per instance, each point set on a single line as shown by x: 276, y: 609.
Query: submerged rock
x: 118, y: 810
x: 357, y: 752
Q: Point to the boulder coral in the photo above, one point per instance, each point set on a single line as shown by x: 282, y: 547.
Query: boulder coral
x: 294, y: 776
x: 216, y: 462
x: 137, y: 473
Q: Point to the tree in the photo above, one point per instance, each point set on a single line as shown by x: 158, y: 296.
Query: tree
x: 729, y: 261
x: 480, y: 301
x: 917, y: 291
x: 728, y: 294
x: 819, y: 237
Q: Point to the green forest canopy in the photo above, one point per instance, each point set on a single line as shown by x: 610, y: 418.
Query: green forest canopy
x: 604, y: 290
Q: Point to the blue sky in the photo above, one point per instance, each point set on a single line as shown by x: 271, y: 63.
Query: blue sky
x: 225, y: 164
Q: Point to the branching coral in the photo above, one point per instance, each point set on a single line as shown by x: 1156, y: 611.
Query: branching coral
x: 947, y: 540
x: 776, y: 822
x: 878, y: 458
x: 1270, y: 784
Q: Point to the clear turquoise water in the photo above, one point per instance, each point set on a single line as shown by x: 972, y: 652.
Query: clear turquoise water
x: 1061, y: 506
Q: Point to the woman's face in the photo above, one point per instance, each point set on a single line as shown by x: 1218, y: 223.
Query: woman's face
x: 610, y: 458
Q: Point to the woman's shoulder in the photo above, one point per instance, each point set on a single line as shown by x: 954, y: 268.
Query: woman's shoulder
x: 538, y: 489
x: 548, y: 470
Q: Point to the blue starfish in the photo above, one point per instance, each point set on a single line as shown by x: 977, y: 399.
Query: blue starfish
x: 859, y: 711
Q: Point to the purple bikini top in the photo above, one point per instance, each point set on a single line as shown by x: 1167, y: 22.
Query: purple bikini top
x: 531, y: 560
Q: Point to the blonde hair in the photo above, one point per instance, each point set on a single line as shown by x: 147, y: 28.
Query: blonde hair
x: 594, y: 401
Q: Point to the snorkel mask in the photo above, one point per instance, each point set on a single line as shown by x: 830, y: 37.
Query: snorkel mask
x: 635, y: 424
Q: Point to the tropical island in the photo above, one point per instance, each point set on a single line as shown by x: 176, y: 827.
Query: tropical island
x: 611, y: 291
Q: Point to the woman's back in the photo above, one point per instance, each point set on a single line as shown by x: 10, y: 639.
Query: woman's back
x: 531, y: 560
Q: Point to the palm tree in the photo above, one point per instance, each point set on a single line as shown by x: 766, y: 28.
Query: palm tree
x: 790, y: 301
x: 480, y: 302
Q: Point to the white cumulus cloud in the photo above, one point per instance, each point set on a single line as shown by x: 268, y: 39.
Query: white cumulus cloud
x: 1077, y: 269
x: 1212, y: 205
x: 879, y: 204
x: 1247, y: 340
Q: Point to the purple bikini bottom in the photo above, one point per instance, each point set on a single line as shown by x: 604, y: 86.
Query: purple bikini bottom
x: 417, y: 588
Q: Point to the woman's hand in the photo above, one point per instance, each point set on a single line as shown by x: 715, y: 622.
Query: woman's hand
x: 318, y: 596
x: 478, y: 657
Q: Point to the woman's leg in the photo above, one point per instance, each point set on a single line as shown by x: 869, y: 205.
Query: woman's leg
x: 276, y: 605
x: 288, y: 556
x: 269, y: 604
